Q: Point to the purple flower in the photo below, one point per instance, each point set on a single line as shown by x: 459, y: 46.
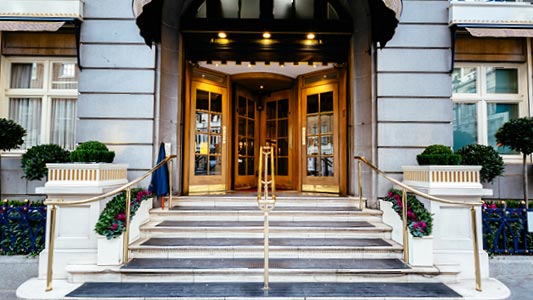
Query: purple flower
x: 121, y: 217
x: 411, y: 215
x: 113, y: 226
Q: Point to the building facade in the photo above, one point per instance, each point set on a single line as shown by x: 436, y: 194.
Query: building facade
x: 320, y: 80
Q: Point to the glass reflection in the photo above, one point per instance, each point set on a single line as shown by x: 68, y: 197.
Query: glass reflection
x: 464, y: 125
x: 283, y: 128
x: 312, y: 104
x: 214, y: 165
x: 326, y: 102
x: 283, y: 166
x: 464, y: 80
x: 497, y: 115
x: 202, y: 100
x: 326, y: 167
x: 502, y: 81
x: 200, y: 164
x: 326, y: 123
x: 283, y: 108
x: 216, y: 102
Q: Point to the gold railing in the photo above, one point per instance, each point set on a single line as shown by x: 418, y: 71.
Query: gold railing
x: 264, y: 203
x: 405, y: 188
x: 127, y: 187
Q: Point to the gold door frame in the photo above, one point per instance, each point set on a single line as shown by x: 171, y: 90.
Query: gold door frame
x: 195, y: 183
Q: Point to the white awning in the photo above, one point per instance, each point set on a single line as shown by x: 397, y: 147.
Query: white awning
x: 500, y: 32
x: 138, y: 7
x: 396, y: 6
x: 30, y: 26
x: 38, y: 9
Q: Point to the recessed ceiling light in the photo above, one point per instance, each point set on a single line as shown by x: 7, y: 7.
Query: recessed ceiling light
x: 222, y: 35
x: 311, y: 36
x: 266, y: 35
x: 261, y: 87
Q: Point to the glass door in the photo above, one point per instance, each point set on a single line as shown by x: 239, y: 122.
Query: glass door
x: 207, y: 146
x: 277, y: 131
x: 246, y: 136
x: 320, y: 123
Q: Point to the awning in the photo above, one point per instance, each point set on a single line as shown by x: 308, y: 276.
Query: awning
x: 30, y: 26
x: 500, y: 32
x: 385, y: 16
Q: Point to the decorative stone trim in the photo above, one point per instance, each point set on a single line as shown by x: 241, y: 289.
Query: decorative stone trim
x: 442, y: 176
x: 515, y: 13
x: 91, y: 174
x: 42, y: 9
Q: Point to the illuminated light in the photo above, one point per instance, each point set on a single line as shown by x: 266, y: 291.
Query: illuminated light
x: 249, y: 65
x: 222, y: 35
x: 203, y: 75
x: 266, y: 35
x: 311, y: 36
x: 216, y: 65
x: 222, y: 41
x: 261, y: 87
x: 282, y: 64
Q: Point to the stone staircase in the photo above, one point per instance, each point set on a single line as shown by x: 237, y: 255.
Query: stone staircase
x: 313, y: 240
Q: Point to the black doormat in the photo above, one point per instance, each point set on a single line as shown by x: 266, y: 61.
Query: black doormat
x: 248, y: 290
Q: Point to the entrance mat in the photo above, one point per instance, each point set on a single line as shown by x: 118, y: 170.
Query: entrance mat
x: 261, y: 224
x: 257, y: 263
x: 220, y: 290
x: 276, y: 242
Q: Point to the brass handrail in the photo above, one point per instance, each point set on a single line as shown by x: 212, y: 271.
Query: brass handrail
x: 126, y: 187
x: 265, y: 204
x: 406, y: 188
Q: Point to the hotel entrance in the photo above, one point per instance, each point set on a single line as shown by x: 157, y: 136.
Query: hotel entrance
x: 230, y: 116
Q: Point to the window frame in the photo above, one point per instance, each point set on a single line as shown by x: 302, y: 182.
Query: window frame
x: 481, y: 98
x: 46, y: 93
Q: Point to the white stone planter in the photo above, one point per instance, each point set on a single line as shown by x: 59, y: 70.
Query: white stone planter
x: 421, y: 251
x: 86, y: 174
x: 109, y: 251
x: 420, y: 248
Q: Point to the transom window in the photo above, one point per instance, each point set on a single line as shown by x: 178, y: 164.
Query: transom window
x: 40, y: 94
x: 486, y: 96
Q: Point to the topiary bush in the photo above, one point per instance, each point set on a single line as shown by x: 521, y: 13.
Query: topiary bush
x: 518, y: 135
x: 92, y: 151
x: 438, y: 155
x: 485, y: 156
x: 11, y: 135
x: 35, y: 159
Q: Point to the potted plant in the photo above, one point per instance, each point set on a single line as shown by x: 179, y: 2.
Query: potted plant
x: 439, y: 167
x: 11, y: 137
x: 91, y: 166
x: 517, y: 134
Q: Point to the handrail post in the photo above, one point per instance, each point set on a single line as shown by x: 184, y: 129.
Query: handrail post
x: 51, y: 242
x: 126, y: 237
x: 404, y: 227
x: 170, y: 186
x: 476, y: 249
x: 360, y: 181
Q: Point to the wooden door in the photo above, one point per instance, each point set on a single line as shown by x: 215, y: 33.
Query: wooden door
x: 246, y: 140
x: 320, y: 139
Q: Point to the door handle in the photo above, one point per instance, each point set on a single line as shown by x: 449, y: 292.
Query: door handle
x: 303, y: 136
x: 223, y: 134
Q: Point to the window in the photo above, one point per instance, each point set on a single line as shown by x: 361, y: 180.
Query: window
x: 40, y: 95
x: 485, y: 96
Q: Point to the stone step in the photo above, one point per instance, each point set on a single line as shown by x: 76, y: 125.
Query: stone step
x: 281, y: 290
x: 254, y: 248
x: 252, y: 270
x: 282, y: 201
x: 277, y: 229
x: 207, y: 213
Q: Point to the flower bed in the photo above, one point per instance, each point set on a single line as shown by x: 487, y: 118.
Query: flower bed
x: 419, y: 220
x: 111, y: 222
x: 505, y: 228
x: 22, y: 227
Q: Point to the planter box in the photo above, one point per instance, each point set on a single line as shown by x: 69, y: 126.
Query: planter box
x: 86, y: 174
x: 110, y: 251
x: 441, y: 178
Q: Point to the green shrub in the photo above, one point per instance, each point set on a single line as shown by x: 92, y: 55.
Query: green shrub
x: 111, y: 222
x: 438, y: 155
x: 419, y: 220
x: 92, y: 151
x: 35, y: 159
x: 485, y: 156
x: 11, y: 135
x: 517, y: 134
x: 22, y: 227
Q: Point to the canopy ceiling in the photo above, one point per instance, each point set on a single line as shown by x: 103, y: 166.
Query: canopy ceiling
x: 328, y: 19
